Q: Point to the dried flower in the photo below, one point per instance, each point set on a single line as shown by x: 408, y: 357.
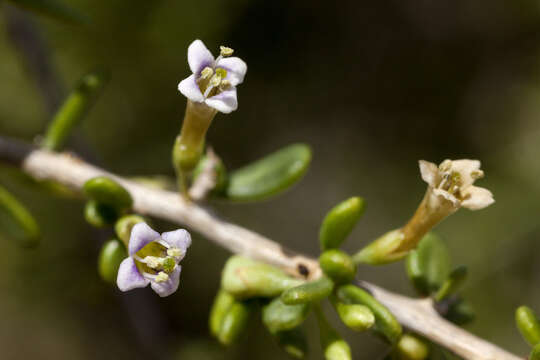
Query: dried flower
x: 153, y: 259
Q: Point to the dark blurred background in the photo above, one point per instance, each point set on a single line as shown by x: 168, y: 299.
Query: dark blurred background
x: 371, y: 86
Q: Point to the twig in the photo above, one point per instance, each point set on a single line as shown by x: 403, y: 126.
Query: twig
x: 417, y: 315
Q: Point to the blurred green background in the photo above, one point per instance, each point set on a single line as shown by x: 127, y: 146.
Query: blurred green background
x: 372, y: 86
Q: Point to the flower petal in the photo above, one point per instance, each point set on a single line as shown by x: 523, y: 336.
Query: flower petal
x: 170, y: 286
x: 129, y: 276
x: 190, y: 89
x: 141, y: 235
x: 178, y: 239
x: 224, y: 102
x: 199, y: 57
x: 236, y: 69
x: 446, y: 195
x: 477, y: 198
x: 429, y: 172
x: 465, y: 168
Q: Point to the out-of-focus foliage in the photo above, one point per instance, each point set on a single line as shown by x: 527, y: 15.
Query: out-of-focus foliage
x: 371, y: 86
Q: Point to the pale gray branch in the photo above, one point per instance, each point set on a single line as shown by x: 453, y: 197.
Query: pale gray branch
x: 416, y: 315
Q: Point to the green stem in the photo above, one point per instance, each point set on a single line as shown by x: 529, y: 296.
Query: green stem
x: 21, y: 216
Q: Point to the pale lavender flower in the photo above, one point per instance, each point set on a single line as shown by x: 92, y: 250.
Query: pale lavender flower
x: 153, y: 259
x: 213, y: 81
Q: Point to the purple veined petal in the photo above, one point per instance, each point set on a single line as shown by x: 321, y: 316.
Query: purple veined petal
x: 190, y: 89
x: 199, y: 57
x: 236, y: 69
x: 168, y: 287
x: 178, y: 239
x: 141, y: 235
x: 224, y: 102
x: 129, y: 276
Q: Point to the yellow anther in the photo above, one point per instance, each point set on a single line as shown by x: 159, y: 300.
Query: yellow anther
x: 153, y: 262
x: 207, y: 72
x: 477, y: 174
x: 225, y: 83
x: 225, y: 51
x: 161, y: 277
x: 174, y: 252
x: 445, y: 165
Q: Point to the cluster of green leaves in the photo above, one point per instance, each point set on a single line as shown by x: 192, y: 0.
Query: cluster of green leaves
x: 529, y: 326
x: 429, y: 268
x: 285, y: 302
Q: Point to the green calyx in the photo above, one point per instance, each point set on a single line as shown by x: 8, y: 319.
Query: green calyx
x: 338, y: 266
x: 106, y: 191
x: 410, y: 347
x: 234, y: 322
x: 383, y: 250
x: 308, y: 292
x: 123, y: 226
x: 99, y: 215
x: 355, y: 316
x: 112, y: 253
x: 339, y: 222
x: 245, y: 278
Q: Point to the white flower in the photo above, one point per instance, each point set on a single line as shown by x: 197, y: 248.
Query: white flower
x: 452, y: 181
x: 213, y: 81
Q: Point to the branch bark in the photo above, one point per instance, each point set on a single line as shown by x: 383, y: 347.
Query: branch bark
x: 418, y: 315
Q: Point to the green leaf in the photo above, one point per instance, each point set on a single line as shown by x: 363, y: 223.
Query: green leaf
x: 73, y: 110
x: 338, y: 266
x: 53, y: 8
x: 221, y: 306
x: 429, y: 265
x: 270, y: 175
x: 277, y: 316
x: 99, y: 215
x: 17, y: 220
x: 245, y: 278
x: 460, y: 312
x: 105, y: 190
x: 293, y: 342
x: 535, y: 353
x: 453, y: 282
x: 112, y: 253
x: 308, y: 292
x: 339, y: 222
x: 528, y: 325
x: 385, y: 322
x: 334, y: 347
x: 234, y: 322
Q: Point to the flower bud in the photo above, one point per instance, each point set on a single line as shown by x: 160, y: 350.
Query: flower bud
x: 308, y: 292
x: 245, y: 278
x: 383, y: 250
x: 124, y: 225
x: 339, y: 222
x: 107, y: 191
x: 354, y: 316
x: 411, y: 348
x: 338, y: 265
x: 98, y: 214
x: 234, y: 323
x: 278, y: 316
x: 293, y: 342
x: 221, y: 306
x: 111, y: 255
x: 385, y: 322
x: 528, y: 325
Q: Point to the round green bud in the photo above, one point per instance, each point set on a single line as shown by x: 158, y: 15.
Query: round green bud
x: 338, y: 350
x: 112, y: 253
x: 99, y: 215
x: 107, y: 191
x: 124, y: 225
x: 278, y: 316
x: 356, y: 317
x: 338, y: 266
x: 221, y: 306
x: 411, y: 348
